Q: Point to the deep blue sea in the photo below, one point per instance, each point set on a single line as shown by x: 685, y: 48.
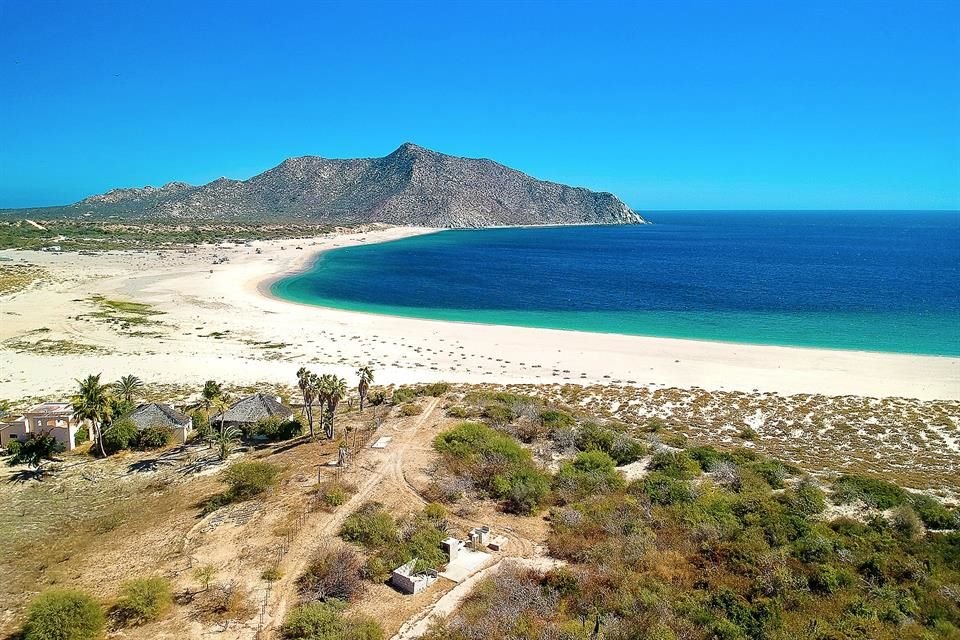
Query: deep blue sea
x: 876, y: 281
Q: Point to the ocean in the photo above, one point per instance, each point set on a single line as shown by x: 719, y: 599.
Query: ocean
x: 872, y: 281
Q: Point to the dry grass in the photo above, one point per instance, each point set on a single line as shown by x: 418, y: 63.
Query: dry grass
x: 17, y: 277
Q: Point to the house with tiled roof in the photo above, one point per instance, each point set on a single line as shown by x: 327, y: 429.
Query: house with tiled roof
x: 155, y: 414
x: 251, y: 410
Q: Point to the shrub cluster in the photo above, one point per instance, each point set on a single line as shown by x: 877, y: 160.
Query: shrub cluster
x: 394, y: 543
x: 141, y: 601
x: 326, y: 621
x: 64, y: 614
x: 496, y: 464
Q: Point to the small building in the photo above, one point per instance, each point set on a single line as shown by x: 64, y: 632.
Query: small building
x: 452, y: 547
x: 12, y: 429
x: 52, y: 418
x: 479, y: 537
x: 251, y: 410
x: 404, y: 578
x: 155, y: 414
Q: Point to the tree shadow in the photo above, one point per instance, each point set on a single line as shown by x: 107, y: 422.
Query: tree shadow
x: 26, y: 475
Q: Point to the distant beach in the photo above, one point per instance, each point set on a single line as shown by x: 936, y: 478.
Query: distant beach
x: 862, y: 281
x: 214, y: 321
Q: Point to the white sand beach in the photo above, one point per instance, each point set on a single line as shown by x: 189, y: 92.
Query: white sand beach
x: 218, y: 322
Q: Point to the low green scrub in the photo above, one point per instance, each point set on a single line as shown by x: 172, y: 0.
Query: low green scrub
x: 590, y: 473
x: 875, y: 493
x: 327, y: 621
x: 496, y: 464
x: 155, y: 438
x: 64, y: 614
x: 410, y: 409
x: 245, y: 480
x: 394, y: 543
x: 142, y: 601
x: 678, y: 555
x: 274, y: 429
x: 616, y: 444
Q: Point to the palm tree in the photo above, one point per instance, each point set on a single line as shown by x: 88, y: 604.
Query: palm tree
x: 330, y: 391
x: 366, y: 377
x: 307, y: 382
x: 225, y: 441
x: 127, y: 387
x: 211, y: 391
x: 92, y: 402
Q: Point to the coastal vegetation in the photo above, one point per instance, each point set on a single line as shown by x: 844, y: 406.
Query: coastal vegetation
x: 77, y: 235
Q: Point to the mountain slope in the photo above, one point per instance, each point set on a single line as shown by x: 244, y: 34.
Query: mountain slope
x: 412, y: 186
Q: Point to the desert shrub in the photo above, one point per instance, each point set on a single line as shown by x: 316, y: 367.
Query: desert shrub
x: 64, y: 614
x: 435, y: 389
x: 376, y: 397
x: 33, y: 451
x: 498, y: 415
x: 933, y: 513
x: 675, y: 464
x: 333, y: 573
x: 906, y: 522
x: 663, y: 489
x: 616, y: 444
x: 526, y: 491
x: 224, y: 603
x: 495, y: 463
x: 274, y: 428
x: 370, y: 526
x: 334, y: 493
x: 121, y: 434
x: 13, y: 448
x: 142, y: 600
x: 271, y: 575
x: 249, y: 478
x: 556, y: 418
x: 155, y: 437
x: 590, y: 473
x: 325, y: 621
x: 805, y: 499
x: 403, y: 395
x: 708, y: 458
x: 411, y: 409
x: 875, y: 493
x: 459, y: 411
x: 748, y: 433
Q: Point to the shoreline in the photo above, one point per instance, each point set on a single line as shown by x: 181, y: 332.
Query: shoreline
x: 220, y: 320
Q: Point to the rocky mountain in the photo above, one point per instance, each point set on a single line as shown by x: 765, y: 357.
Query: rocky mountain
x: 411, y: 186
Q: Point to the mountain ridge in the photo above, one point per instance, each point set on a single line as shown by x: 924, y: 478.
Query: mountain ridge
x: 410, y: 186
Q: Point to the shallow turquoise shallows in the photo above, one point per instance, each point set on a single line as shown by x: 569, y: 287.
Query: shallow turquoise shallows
x: 875, y: 281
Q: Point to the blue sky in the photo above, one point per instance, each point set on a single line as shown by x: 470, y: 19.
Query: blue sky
x: 671, y: 105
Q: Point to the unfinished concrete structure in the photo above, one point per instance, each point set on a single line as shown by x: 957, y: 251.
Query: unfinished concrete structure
x: 452, y: 547
x: 406, y: 580
x: 479, y: 537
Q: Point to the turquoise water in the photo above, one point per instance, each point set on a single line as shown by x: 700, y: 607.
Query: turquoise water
x: 876, y: 281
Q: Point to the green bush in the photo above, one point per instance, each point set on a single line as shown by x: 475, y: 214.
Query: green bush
x: 590, y: 473
x: 403, y: 395
x: 459, y: 411
x: 143, y: 600
x: 805, y: 499
x: 249, y: 478
x: 156, y: 437
x: 202, y: 430
x: 619, y: 446
x: 122, y: 434
x: 556, y: 418
x: 64, y: 614
x: 708, y: 458
x: 82, y: 435
x: 526, y: 491
x: 370, y: 526
x: 664, y: 489
x: 325, y: 621
x: 875, y: 493
x: 933, y: 513
x: 435, y: 389
x: 13, y: 448
x: 410, y: 409
x: 675, y: 464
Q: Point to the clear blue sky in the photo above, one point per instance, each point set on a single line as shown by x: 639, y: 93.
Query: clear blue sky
x: 671, y: 105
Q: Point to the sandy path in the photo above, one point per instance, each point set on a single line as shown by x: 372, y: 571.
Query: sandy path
x: 378, y: 465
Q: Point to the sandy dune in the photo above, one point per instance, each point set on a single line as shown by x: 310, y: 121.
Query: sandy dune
x: 218, y: 323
